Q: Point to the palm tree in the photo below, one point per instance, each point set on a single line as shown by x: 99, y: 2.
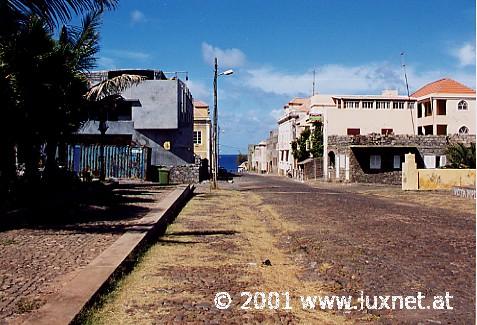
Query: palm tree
x: 45, y: 80
x: 461, y: 156
x: 72, y: 58
x: 55, y: 11
x: 105, y: 97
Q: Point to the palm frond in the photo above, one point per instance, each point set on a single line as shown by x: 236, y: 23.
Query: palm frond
x: 113, y: 86
x: 55, y: 11
x: 461, y: 156
x: 86, y: 43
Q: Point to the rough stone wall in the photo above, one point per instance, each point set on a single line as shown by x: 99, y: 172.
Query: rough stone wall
x: 425, y: 145
x: 312, y: 167
x: 185, y: 174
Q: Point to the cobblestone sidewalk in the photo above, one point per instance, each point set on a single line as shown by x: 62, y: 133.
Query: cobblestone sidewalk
x: 36, y: 262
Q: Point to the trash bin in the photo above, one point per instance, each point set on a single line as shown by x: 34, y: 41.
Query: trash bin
x: 163, y: 174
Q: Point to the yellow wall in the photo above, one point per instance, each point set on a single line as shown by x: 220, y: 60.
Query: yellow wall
x: 433, y: 179
x: 201, y: 149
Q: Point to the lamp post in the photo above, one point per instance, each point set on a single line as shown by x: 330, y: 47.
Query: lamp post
x: 215, y: 144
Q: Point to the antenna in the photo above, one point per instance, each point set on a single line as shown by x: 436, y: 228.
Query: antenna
x: 314, y: 72
x: 403, y: 65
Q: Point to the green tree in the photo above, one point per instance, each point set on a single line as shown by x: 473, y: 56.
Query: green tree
x: 299, y: 146
x: 316, y: 147
x: 54, y: 11
x: 309, y: 143
x: 47, y: 79
x: 461, y: 156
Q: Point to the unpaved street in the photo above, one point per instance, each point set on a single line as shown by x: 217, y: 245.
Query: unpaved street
x: 318, y: 240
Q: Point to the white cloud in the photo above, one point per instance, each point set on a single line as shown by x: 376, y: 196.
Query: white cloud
x: 227, y: 58
x: 465, y: 54
x: 371, y: 78
x: 137, y: 17
x: 276, y: 113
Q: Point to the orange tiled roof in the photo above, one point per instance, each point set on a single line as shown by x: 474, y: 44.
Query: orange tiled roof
x: 297, y: 101
x: 447, y: 86
x: 199, y: 103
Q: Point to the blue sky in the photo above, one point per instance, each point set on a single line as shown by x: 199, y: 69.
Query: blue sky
x: 273, y: 47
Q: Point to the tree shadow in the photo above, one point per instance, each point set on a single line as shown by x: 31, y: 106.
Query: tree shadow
x: 83, y: 207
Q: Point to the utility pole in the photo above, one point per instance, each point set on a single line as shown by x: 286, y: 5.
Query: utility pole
x: 215, y: 143
x: 313, y: 92
x: 215, y: 158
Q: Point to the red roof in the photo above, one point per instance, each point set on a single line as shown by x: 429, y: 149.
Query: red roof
x: 199, y: 103
x: 446, y: 86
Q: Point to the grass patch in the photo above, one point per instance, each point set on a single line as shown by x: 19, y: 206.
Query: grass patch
x: 26, y: 305
x: 6, y: 242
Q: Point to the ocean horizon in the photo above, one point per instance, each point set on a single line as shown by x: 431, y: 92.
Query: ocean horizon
x: 229, y: 162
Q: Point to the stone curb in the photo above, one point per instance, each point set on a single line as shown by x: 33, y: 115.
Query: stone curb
x: 70, y: 301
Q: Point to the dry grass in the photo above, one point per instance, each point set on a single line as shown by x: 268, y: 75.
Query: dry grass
x: 162, y: 280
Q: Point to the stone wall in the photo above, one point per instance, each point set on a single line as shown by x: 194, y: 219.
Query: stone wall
x: 354, y: 146
x: 313, y: 169
x: 433, y: 143
x: 185, y: 174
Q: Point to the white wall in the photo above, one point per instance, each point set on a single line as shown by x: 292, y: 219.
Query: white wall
x: 454, y: 118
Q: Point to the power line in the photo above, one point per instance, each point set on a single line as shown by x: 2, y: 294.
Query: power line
x: 403, y: 65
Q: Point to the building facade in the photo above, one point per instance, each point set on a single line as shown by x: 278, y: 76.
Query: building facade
x: 259, y: 159
x: 272, y: 152
x: 290, y: 126
x: 445, y: 107
x: 158, y: 115
x: 366, y: 137
x: 202, y: 129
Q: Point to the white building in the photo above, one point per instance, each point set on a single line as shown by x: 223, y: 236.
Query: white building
x: 290, y: 126
x: 259, y: 158
x: 445, y: 107
x: 360, y: 115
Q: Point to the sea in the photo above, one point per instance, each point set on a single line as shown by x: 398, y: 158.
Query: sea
x: 229, y: 162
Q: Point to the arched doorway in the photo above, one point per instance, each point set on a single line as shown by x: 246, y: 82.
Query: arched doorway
x: 331, y: 159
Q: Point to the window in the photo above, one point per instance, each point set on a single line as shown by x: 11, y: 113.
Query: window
x: 430, y: 161
x: 410, y: 105
x: 428, y: 130
x: 375, y: 162
x: 428, y: 109
x: 441, y: 107
x: 382, y: 104
x: 398, y: 105
x: 442, y: 161
x: 367, y: 104
x: 419, y: 110
x: 353, y: 131
x: 386, y: 131
x: 351, y: 104
x: 441, y: 129
x: 397, y: 162
x: 462, y: 106
x: 419, y: 130
x: 464, y: 130
x: 197, y: 137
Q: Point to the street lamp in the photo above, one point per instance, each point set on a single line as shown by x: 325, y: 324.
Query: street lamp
x: 215, y: 146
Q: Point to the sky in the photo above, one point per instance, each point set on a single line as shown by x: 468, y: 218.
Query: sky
x: 273, y: 46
